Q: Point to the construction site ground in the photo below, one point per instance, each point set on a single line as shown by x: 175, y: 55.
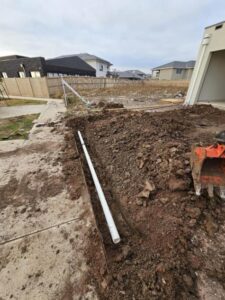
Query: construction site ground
x: 139, y: 95
x: 173, y: 244
x: 55, y: 243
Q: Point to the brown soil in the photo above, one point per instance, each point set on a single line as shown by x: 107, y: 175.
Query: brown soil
x: 109, y: 105
x: 142, y: 160
x: 139, y: 89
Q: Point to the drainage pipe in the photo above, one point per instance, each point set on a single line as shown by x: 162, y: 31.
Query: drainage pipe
x: 108, y: 216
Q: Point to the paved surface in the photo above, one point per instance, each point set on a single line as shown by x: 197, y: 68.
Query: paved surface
x: 43, y: 232
x: 15, y: 111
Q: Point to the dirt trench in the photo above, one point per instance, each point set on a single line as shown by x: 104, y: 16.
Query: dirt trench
x: 142, y: 160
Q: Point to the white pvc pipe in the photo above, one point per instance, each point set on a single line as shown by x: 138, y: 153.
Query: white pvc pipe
x: 108, y: 216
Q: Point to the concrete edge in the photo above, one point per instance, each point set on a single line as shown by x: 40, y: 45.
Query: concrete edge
x: 33, y: 98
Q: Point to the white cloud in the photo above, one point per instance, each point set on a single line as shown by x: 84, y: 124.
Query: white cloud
x: 129, y: 33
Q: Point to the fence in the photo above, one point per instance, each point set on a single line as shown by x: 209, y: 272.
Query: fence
x: 51, y: 87
x: 26, y: 87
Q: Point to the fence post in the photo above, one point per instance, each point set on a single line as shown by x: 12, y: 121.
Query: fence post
x: 46, y: 85
x: 5, y: 86
x: 18, y: 87
x: 33, y: 95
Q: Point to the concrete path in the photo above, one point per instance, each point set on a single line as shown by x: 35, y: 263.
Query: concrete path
x: 44, y: 233
x: 21, y: 110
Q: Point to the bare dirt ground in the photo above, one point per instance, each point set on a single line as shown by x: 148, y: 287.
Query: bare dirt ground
x: 173, y: 244
x: 44, y: 223
x: 137, y: 95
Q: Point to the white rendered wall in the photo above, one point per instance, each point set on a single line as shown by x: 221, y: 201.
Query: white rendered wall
x: 213, y: 40
x: 213, y: 87
x: 96, y: 65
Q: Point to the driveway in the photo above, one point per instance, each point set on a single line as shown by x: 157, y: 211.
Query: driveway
x: 15, y: 111
x: 45, y: 230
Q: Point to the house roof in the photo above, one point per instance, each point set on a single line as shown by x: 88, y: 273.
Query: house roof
x: 137, y: 72
x: 128, y: 74
x: 87, y: 56
x: 11, y: 57
x: 177, y: 65
x: 70, y: 62
x: 217, y: 24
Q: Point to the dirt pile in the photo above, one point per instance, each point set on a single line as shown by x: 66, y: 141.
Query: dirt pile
x: 109, y: 105
x: 142, y: 160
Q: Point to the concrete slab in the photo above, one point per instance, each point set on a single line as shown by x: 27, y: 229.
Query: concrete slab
x: 15, y: 111
x: 44, y: 232
x: 33, y: 98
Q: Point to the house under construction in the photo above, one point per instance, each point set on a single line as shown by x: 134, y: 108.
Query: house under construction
x: 207, y: 83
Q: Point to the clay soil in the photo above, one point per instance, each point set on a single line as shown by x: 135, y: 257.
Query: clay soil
x: 167, y: 232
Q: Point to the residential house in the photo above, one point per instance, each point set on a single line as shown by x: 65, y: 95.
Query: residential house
x: 131, y: 74
x: 101, y: 66
x: 139, y: 73
x: 207, y: 83
x: 22, y: 66
x: 175, y: 70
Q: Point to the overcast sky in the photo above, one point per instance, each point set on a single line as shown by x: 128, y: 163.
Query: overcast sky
x: 137, y: 34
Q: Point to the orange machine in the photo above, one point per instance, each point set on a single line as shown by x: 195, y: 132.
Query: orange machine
x: 208, y: 167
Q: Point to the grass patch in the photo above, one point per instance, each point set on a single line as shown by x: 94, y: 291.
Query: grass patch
x: 17, y: 127
x: 17, y: 102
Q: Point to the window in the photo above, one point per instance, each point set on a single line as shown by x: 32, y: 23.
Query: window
x: 178, y: 71
x: 157, y: 73
x: 35, y: 74
x: 4, y: 75
x: 101, y: 68
x: 22, y: 74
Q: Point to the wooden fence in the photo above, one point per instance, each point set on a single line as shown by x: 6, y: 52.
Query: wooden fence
x: 51, y: 87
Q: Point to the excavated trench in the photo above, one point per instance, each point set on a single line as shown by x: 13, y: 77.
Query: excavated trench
x: 142, y: 161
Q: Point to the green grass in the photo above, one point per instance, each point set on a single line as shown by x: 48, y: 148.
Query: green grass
x: 16, y: 128
x: 16, y: 102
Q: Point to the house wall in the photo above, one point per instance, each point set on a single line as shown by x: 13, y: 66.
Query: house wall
x: 188, y: 74
x: 213, y: 87
x: 166, y: 74
x: 155, y: 74
x: 171, y: 74
x: 96, y: 64
x: 178, y: 76
x: 213, y: 41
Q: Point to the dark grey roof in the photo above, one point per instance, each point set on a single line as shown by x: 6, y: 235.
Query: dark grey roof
x: 70, y: 62
x: 177, y: 65
x: 10, y: 57
x: 128, y: 74
x: 217, y: 24
x: 87, y: 56
x: 137, y: 72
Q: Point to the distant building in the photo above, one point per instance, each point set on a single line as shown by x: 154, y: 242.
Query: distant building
x: 175, y: 70
x: 22, y: 66
x: 101, y: 66
x: 131, y: 74
x: 138, y: 73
